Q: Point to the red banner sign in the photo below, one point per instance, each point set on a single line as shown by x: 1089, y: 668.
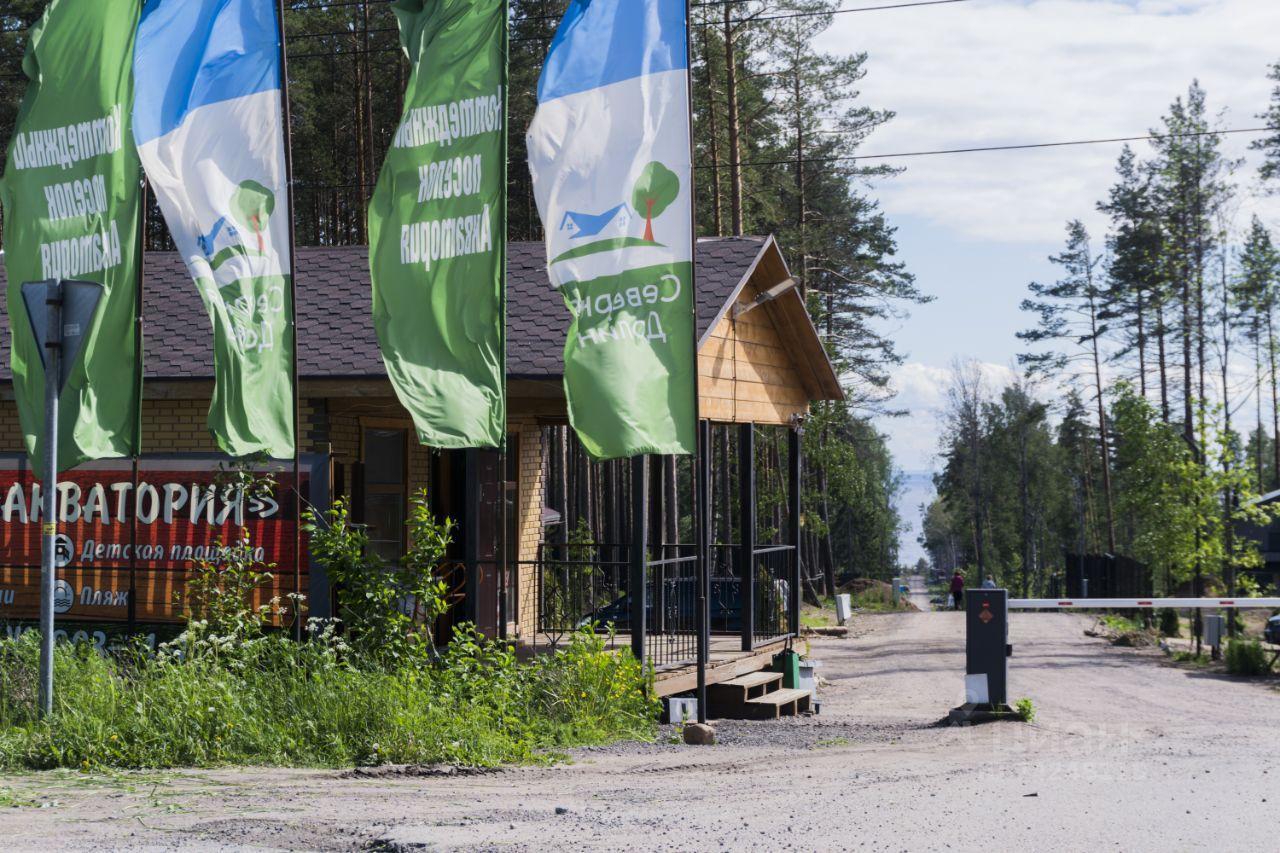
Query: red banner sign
x: 186, y: 510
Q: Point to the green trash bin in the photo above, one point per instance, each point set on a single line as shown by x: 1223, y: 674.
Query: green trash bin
x: 787, y: 662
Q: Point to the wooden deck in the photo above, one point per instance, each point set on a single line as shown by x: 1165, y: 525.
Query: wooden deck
x: 728, y: 661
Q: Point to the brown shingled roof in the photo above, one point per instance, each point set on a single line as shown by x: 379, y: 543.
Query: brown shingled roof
x: 336, y: 333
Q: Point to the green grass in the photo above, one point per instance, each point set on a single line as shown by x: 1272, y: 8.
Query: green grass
x: 1120, y: 624
x: 276, y: 702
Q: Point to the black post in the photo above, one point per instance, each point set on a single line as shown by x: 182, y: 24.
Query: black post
x: 747, y: 531
x: 639, y: 552
x: 794, y: 462
x: 502, y: 555
x: 471, y: 531
x: 659, y: 509
x: 702, y: 534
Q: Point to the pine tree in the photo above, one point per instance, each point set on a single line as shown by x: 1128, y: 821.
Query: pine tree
x: 1269, y: 145
x: 1070, y: 312
x: 1136, y: 294
x: 1256, y: 293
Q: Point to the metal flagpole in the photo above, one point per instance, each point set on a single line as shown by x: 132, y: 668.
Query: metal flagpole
x: 137, y: 434
x: 293, y: 325
x: 49, y: 495
x: 699, y: 492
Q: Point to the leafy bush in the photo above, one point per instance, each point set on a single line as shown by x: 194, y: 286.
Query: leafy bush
x: 1025, y: 710
x: 1247, y: 657
x: 288, y: 703
x: 1170, y: 626
x: 389, y: 609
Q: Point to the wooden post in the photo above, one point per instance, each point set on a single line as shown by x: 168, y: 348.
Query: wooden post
x: 747, y: 531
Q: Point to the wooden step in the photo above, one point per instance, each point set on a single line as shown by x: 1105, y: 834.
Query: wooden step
x: 744, y: 687
x: 786, y: 702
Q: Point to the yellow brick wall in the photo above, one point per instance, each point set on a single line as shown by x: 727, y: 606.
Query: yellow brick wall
x: 530, y: 501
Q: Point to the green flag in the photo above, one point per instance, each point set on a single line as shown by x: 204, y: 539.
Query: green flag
x: 71, y: 195
x: 612, y: 174
x: 209, y: 126
x: 437, y: 225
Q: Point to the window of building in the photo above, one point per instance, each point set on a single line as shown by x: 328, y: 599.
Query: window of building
x: 385, y: 496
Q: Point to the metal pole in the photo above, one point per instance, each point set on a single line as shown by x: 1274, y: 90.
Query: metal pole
x: 49, y: 495
x: 702, y: 530
x: 747, y: 530
x: 502, y: 555
x: 293, y: 326
x: 794, y: 447
x: 701, y: 521
x: 639, y: 552
x: 137, y: 427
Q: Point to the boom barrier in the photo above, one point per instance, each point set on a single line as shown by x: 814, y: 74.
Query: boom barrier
x: 1142, y: 603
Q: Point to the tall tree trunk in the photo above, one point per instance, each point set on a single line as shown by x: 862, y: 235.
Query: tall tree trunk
x: 1142, y: 344
x: 800, y: 188
x: 1162, y: 355
x: 828, y: 561
x: 1257, y: 401
x: 1102, y: 425
x: 731, y: 99
x: 1275, y: 396
x: 713, y: 148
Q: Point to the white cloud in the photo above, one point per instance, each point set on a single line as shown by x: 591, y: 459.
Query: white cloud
x: 922, y: 391
x: 995, y: 72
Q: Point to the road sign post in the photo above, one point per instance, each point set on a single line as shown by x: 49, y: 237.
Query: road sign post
x: 61, y: 312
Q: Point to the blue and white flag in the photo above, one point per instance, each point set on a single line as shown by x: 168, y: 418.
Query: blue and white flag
x: 208, y: 123
x: 609, y: 151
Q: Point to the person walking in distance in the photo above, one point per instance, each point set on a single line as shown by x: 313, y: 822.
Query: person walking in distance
x: 957, y: 590
x: 989, y: 583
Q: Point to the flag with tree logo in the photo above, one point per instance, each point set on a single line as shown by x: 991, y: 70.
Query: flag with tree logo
x: 71, y: 200
x: 208, y: 122
x: 610, y: 157
x: 437, y: 225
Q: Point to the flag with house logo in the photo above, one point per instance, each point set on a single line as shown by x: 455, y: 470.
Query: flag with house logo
x: 208, y: 122
x: 71, y: 198
x: 438, y: 222
x: 610, y: 157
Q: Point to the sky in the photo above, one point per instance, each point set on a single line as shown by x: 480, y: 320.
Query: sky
x: 976, y: 228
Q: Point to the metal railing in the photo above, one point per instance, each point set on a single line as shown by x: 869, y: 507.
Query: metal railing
x: 772, y: 590
x: 581, y: 585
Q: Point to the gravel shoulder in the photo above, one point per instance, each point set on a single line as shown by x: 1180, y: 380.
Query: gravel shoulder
x: 1127, y: 752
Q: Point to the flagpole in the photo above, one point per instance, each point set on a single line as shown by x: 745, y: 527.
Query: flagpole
x: 293, y: 325
x: 699, y: 491
x: 137, y: 427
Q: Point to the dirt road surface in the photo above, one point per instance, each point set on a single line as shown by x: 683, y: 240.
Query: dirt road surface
x: 1126, y: 753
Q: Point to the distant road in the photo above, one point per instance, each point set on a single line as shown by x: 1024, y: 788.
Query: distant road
x: 919, y: 592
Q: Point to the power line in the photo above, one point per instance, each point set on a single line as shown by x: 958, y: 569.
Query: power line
x: 907, y: 5
x: 1022, y: 147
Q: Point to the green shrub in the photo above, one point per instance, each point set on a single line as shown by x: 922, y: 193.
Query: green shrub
x: 1246, y: 657
x: 1170, y: 625
x: 1025, y: 709
x: 389, y: 610
x: 277, y: 702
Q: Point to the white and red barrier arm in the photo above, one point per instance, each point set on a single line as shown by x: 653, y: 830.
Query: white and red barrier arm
x: 1142, y: 603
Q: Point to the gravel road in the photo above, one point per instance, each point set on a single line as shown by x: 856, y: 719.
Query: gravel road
x: 1126, y: 753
